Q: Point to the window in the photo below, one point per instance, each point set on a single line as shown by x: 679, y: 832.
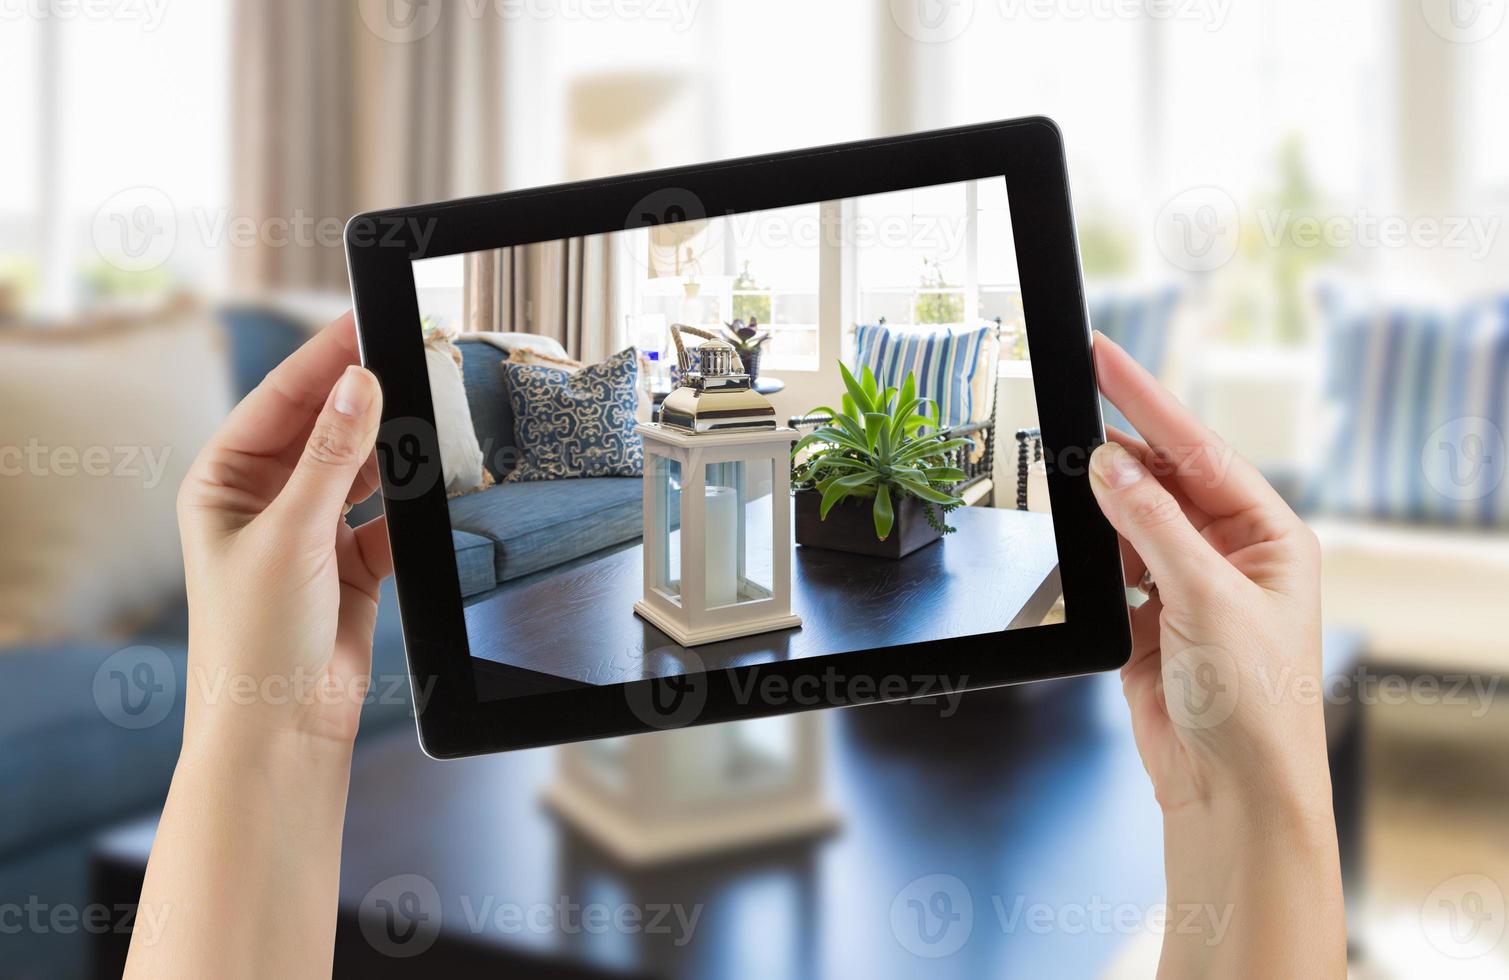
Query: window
x: 940, y: 255
x: 762, y: 267
x: 106, y: 143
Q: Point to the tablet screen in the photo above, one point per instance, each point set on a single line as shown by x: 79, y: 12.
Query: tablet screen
x: 742, y: 439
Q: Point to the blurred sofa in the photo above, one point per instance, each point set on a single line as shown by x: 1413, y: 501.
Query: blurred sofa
x: 90, y: 573
x: 1409, y: 496
x: 1355, y: 439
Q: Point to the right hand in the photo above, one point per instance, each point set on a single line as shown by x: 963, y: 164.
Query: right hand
x: 1223, y: 678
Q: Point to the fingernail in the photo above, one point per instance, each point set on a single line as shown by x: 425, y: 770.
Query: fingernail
x: 353, y: 393
x: 1116, y: 467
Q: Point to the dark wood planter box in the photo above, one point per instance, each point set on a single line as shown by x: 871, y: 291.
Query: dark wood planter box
x: 851, y: 526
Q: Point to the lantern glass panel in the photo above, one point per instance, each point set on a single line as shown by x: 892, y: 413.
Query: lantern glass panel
x: 665, y: 488
x: 740, y: 555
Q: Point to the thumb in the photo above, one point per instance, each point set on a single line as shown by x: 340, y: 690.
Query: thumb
x: 339, y: 443
x: 1151, y: 520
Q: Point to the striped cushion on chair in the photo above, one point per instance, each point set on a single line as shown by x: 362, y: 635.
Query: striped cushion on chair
x: 1139, y: 322
x: 1420, y: 397
x: 945, y: 359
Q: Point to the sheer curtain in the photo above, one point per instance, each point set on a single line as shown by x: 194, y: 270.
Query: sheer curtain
x: 563, y: 289
x: 337, y: 111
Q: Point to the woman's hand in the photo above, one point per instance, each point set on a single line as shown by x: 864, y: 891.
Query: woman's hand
x: 282, y: 593
x: 1223, y: 685
x: 245, y: 870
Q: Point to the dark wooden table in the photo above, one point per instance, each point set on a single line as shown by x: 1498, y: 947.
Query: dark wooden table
x: 1032, y: 798
x: 580, y: 624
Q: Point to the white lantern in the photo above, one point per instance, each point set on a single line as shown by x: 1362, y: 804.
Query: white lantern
x: 717, y: 507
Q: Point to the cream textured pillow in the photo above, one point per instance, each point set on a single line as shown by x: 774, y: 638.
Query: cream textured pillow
x: 460, y: 455
x: 526, y: 355
x: 98, y: 425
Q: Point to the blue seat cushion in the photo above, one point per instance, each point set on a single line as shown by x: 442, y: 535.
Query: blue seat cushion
x: 537, y: 525
x: 474, y: 562
x: 70, y: 759
x: 89, y: 739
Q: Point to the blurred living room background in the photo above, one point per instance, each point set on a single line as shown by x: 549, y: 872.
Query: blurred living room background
x: 1292, y: 212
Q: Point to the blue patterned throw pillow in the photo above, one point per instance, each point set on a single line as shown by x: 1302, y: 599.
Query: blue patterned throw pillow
x: 571, y: 424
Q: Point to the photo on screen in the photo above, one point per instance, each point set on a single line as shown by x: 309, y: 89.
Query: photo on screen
x: 740, y: 439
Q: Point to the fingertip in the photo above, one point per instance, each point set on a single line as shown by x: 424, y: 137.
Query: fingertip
x: 1114, y: 467
x: 356, y: 392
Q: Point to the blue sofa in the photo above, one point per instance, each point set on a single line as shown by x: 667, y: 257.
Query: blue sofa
x: 513, y: 532
x: 68, y: 771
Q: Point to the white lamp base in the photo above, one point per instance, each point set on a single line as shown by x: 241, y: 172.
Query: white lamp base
x: 639, y: 842
x: 712, y: 634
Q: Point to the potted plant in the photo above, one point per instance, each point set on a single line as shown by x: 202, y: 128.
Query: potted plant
x: 749, y: 340
x: 877, y: 480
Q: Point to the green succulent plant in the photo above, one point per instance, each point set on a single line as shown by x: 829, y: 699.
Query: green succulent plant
x: 884, y: 445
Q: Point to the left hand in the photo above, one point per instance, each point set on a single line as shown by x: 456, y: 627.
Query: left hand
x: 282, y: 593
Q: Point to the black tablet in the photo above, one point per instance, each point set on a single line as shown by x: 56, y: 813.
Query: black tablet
x: 731, y: 440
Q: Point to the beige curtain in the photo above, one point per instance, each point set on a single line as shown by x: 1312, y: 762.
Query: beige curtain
x: 563, y: 289
x: 337, y: 111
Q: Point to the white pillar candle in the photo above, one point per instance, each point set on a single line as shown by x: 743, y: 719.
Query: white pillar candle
x: 722, y: 537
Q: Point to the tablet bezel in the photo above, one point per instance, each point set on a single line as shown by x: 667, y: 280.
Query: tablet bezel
x: 381, y: 247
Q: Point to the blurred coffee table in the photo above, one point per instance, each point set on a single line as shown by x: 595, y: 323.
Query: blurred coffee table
x: 1013, y: 804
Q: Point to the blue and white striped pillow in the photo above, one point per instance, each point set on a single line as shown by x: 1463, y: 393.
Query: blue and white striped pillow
x: 1140, y: 323
x: 944, y: 358
x: 1421, y: 399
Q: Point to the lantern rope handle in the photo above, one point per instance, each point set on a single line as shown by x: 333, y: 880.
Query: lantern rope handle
x: 683, y: 359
